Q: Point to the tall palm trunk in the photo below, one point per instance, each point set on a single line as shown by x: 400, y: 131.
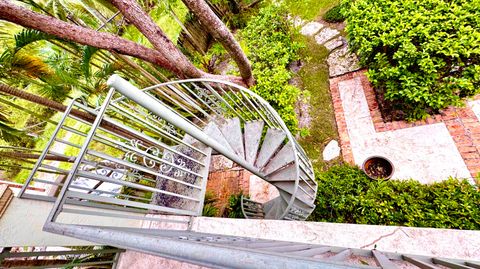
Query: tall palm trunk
x: 32, y: 97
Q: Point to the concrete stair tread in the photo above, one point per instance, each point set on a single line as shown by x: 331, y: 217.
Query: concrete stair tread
x: 252, y: 136
x: 232, y: 131
x: 287, y: 174
x: 282, y: 158
x: 214, y: 132
x: 272, y: 141
x: 277, y: 209
x: 287, y: 196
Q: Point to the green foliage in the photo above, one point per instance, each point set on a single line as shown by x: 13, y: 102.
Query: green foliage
x: 334, y: 14
x: 346, y: 194
x: 7, y: 132
x: 424, y: 55
x: 209, y: 61
x: 309, y: 9
x: 234, y: 207
x: 268, y: 37
x: 28, y: 36
x: 209, y: 208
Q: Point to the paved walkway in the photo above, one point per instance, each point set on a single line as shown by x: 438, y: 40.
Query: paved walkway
x: 447, y: 145
x: 428, y: 151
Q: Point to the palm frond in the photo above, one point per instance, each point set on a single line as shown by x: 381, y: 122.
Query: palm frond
x: 88, y: 53
x: 28, y: 36
x: 32, y: 65
x: 10, y: 134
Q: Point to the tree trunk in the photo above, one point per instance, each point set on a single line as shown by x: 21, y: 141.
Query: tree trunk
x: 32, y: 97
x: 168, y: 57
x: 221, y: 33
x: 144, y: 23
x: 82, y: 35
x: 22, y: 155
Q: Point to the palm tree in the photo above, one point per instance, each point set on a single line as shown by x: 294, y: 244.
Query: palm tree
x: 7, y: 132
x: 165, y: 54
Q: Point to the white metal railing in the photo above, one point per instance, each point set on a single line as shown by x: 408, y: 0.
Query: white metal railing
x: 145, y: 151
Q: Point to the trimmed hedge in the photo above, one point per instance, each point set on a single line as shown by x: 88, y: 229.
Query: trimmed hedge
x: 346, y: 194
x: 423, y: 55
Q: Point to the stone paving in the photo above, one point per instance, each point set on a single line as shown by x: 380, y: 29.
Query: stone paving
x: 431, y: 150
x: 425, y: 152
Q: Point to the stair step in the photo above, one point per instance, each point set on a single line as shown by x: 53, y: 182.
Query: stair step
x: 277, y: 209
x: 214, y: 132
x: 252, y: 206
x: 252, y: 136
x: 258, y: 214
x: 232, y: 131
x: 310, y: 252
x: 287, y: 174
x: 341, y: 256
x: 383, y: 260
x: 271, y: 143
x: 287, y: 196
x: 285, y: 156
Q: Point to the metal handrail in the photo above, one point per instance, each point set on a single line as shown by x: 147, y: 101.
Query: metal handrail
x: 150, y: 124
x: 259, y: 106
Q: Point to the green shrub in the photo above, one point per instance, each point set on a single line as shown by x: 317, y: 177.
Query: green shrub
x: 268, y: 37
x: 423, y: 55
x: 346, y: 194
x: 234, y: 207
x: 334, y: 14
x: 209, y: 205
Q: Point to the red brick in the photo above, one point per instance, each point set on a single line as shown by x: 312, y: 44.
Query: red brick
x: 438, y: 118
x: 472, y: 163
x: 467, y: 149
x: 430, y: 120
x: 471, y: 156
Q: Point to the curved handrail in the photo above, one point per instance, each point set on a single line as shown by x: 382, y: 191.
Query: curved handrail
x: 273, y: 117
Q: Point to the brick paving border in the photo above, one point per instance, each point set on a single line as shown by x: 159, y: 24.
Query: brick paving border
x: 461, y: 122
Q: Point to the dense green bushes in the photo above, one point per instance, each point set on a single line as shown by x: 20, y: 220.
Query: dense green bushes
x: 270, y: 48
x: 334, y: 14
x: 424, y: 55
x: 345, y: 194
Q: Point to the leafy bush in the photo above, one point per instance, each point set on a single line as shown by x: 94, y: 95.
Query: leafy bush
x: 346, y: 194
x: 209, y: 205
x: 423, y: 55
x: 234, y: 207
x: 268, y: 37
x: 334, y: 14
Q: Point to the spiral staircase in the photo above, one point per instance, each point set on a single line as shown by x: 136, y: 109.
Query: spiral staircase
x: 132, y: 173
x: 155, y: 145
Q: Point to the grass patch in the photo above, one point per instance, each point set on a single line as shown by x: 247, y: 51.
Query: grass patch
x: 310, y: 9
x: 314, y: 82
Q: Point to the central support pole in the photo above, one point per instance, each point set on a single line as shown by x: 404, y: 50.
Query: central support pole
x: 148, y: 102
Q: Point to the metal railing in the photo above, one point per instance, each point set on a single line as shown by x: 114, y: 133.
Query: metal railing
x: 59, y: 257
x: 145, y: 151
x: 191, y: 104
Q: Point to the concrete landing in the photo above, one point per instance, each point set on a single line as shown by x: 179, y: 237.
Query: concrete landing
x: 421, y: 241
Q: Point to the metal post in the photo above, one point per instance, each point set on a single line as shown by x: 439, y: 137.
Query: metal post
x: 61, y: 196
x: 141, y: 98
x: 47, y: 147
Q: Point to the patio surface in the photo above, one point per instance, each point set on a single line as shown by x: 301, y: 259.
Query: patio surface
x: 447, y: 145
